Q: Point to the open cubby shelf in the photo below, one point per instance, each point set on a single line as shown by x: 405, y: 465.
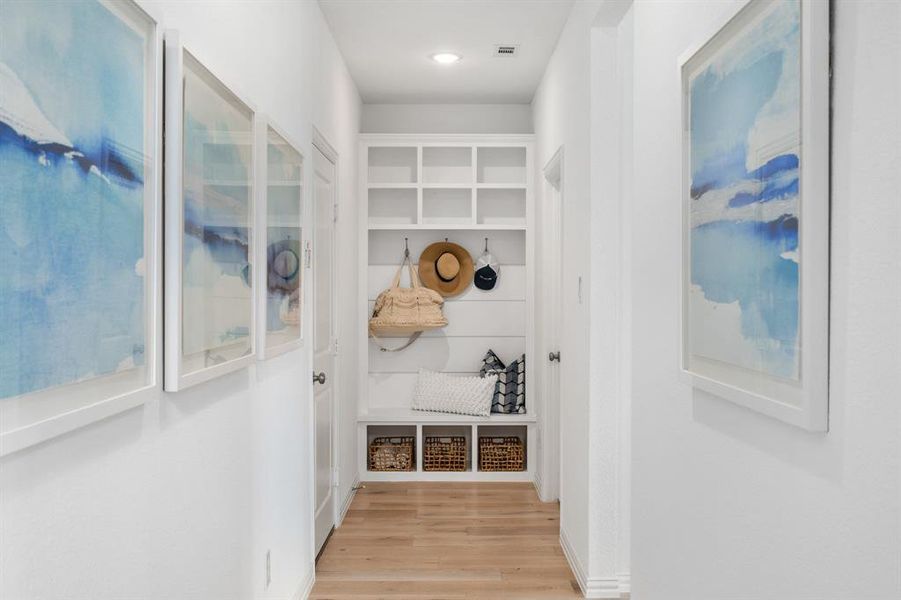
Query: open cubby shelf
x: 392, y: 165
x: 471, y: 433
x: 393, y: 206
x: 501, y: 206
x: 416, y: 190
x: 441, y: 165
x: 501, y: 165
x: 446, y: 206
x: 454, y: 184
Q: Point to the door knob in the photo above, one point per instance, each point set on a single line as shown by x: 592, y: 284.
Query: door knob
x: 320, y: 378
x: 552, y: 356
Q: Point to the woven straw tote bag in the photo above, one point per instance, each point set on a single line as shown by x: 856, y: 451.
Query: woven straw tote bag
x: 406, y: 311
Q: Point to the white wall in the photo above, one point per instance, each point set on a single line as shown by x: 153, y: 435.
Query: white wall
x: 728, y: 503
x: 181, y: 498
x: 561, y: 111
x: 447, y: 118
x: 610, y: 333
x: 583, y: 104
x: 578, y: 106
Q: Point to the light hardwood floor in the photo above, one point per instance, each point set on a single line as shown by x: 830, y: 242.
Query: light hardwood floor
x: 446, y: 541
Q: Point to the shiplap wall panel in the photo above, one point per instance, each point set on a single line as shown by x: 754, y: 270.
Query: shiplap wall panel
x: 393, y: 390
x: 448, y: 354
x: 387, y: 247
x: 479, y: 319
x: 511, y: 285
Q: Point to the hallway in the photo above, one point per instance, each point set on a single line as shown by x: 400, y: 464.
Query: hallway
x: 450, y: 299
x: 447, y: 541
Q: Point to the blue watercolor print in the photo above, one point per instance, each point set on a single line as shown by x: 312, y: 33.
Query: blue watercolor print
x: 216, y: 274
x: 745, y: 163
x: 283, y: 264
x: 72, y: 172
x: 283, y: 278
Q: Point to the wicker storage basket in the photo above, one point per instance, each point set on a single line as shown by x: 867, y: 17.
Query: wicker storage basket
x: 446, y: 453
x: 501, y: 454
x: 392, y: 454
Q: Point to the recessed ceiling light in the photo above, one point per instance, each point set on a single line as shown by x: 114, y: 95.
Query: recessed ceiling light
x: 446, y: 58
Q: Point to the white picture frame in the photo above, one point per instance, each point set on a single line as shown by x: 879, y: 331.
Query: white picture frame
x: 802, y: 401
x: 269, y: 344
x: 185, y: 368
x: 31, y: 418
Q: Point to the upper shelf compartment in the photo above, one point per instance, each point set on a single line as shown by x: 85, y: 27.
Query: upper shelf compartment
x: 446, y: 182
x: 447, y: 165
x: 501, y: 165
x: 393, y: 165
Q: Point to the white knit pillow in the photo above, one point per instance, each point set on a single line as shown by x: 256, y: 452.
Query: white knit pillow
x: 451, y: 394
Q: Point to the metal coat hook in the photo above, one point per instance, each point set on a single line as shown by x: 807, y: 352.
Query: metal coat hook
x: 486, y: 244
x: 406, y: 247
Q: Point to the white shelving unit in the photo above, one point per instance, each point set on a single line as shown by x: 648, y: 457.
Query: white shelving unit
x: 465, y: 188
x: 419, y: 424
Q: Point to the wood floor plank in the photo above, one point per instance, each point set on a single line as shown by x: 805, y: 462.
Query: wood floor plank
x: 453, y: 541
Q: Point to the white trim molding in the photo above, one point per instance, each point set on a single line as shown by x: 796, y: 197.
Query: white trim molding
x: 574, y: 563
x: 608, y: 518
x: 321, y: 143
x: 345, y: 506
x: 305, y: 585
x: 625, y: 583
x: 594, y: 587
x: 536, y: 483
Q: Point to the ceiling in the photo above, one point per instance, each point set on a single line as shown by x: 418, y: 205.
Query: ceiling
x: 387, y: 45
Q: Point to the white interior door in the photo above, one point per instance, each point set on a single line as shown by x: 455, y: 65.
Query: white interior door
x: 551, y: 321
x: 324, y: 347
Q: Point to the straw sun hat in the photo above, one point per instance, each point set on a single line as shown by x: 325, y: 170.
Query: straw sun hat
x: 446, y: 268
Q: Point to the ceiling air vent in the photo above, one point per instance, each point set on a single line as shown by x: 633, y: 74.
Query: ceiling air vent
x: 506, y: 50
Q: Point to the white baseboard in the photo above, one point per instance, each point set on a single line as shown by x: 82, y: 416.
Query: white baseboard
x: 543, y: 494
x: 306, y: 584
x: 575, y: 564
x: 593, y: 587
x: 625, y: 582
x: 536, y: 483
x: 345, y: 506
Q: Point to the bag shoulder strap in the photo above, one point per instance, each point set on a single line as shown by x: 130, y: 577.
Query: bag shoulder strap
x: 414, y: 276
x: 382, y: 348
x: 395, y: 283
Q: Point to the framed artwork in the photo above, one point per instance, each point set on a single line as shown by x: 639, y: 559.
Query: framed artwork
x: 79, y: 278
x: 755, y: 285
x: 280, y: 206
x: 209, y: 184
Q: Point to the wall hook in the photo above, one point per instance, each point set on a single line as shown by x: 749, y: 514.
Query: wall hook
x: 486, y: 244
x: 406, y: 247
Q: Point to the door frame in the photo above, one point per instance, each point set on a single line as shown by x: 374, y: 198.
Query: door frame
x: 552, y: 186
x: 321, y: 143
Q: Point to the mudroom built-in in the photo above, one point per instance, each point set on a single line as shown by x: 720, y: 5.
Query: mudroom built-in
x: 474, y: 192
